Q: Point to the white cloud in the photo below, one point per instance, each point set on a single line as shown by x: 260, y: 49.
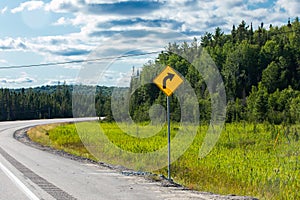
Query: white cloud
x: 201, y: 16
x: 28, y: 5
x: 13, y: 44
x: 115, y: 33
x: 256, y: 1
x: 62, y: 21
x: 3, y: 10
x: 198, y: 16
x: 60, y: 80
x: 2, y: 61
x: 292, y: 7
x: 104, y: 1
x: 64, y: 6
x: 112, y: 78
x: 24, y: 78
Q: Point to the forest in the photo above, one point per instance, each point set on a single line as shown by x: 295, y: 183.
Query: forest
x: 46, y: 102
x: 260, y: 68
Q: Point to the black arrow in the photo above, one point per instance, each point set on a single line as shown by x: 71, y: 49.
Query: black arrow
x: 169, y: 76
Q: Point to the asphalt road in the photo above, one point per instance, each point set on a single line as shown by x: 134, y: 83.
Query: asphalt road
x: 29, y: 173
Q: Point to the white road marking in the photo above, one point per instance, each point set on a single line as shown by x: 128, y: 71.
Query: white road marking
x: 14, y: 179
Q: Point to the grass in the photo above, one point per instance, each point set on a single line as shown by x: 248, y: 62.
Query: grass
x: 257, y: 160
x: 61, y: 136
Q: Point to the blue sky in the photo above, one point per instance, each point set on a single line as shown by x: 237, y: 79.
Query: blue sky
x: 35, y: 32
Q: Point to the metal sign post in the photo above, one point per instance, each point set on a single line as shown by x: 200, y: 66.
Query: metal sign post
x: 169, y: 138
x: 168, y: 81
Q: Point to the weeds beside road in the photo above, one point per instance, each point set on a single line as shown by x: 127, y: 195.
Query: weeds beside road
x: 260, y: 160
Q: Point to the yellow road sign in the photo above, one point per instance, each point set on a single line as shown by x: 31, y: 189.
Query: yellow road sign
x: 168, y: 80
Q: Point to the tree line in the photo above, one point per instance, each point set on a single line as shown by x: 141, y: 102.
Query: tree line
x: 260, y: 69
x: 46, y: 102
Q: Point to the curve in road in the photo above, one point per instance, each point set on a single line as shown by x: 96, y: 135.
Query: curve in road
x: 29, y: 173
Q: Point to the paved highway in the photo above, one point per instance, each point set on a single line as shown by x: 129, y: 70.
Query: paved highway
x: 29, y: 173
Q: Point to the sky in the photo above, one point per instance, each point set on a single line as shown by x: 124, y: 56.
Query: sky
x: 35, y: 32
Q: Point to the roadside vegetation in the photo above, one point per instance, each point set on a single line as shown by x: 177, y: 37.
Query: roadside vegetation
x: 59, y: 136
x: 260, y: 160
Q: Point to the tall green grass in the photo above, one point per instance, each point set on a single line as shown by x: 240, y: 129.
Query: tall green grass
x: 260, y: 160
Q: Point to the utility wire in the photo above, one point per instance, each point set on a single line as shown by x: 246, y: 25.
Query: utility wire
x: 103, y: 58
x: 77, y: 61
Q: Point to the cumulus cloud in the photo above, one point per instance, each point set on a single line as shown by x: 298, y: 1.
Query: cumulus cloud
x: 12, y: 44
x: 113, y: 27
x: 292, y: 7
x: 3, y: 10
x: 28, y: 5
x: 100, y: 18
x: 24, y: 78
x: 103, y: 1
x: 113, y: 78
x: 65, y: 6
x: 256, y: 1
x: 62, y: 21
x: 178, y: 15
x: 189, y: 16
x: 60, y: 80
x: 104, y: 7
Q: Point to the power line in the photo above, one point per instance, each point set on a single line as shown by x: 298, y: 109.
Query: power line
x: 104, y: 58
x: 77, y: 61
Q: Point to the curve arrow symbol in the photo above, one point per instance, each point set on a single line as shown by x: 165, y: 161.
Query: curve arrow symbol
x: 170, y: 76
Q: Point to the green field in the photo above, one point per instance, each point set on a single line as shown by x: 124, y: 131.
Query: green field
x: 260, y: 160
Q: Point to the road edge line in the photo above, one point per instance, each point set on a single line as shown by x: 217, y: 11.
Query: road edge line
x: 19, y: 183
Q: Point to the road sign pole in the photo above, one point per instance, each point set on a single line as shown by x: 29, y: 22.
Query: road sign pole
x: 169, y: 138
x: 168, y: 81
